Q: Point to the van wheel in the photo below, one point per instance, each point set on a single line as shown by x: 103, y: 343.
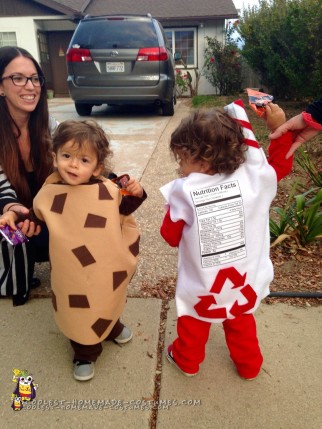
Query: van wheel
x: 83, y: 109
x: 168, y: 109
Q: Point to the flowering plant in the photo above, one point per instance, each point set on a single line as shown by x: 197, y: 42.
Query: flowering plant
x: 223, y: 63
x: 182, y: 81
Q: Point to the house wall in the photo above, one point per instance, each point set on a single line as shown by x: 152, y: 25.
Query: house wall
x: 210, y: 29
x: 26, y: 29
x: 215, y: 29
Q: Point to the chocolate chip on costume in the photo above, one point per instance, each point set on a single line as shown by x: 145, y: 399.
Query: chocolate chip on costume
x: 94, y: 221
x: 100, y: 326
x: 118, y: 278
x: 134, y: 248
x: 84, y: 256
x: 78, y: 301
x: 53, y: 300
x: 58, y: 203
x: 103, y: 193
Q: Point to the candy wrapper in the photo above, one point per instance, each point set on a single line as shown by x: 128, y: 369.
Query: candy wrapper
x: 257, y: 101
x: 13, y: 237
x: 121, y: 182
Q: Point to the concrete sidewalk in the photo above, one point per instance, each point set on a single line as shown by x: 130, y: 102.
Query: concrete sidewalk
x: 286, y: 394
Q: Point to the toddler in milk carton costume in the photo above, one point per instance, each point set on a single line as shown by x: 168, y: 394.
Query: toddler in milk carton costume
x: 218, y: 216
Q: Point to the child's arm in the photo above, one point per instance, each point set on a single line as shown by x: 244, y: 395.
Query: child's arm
x: 134, y: 188
x: 171, y: 231
x: 134, y: 197
x: 277, y: 151
x: 278, y: 148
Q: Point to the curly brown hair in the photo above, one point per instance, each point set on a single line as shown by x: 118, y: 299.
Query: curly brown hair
x: 82, y: 133
x: 212, y: 136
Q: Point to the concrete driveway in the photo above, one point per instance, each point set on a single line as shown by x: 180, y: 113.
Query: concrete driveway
x: 133, y: 131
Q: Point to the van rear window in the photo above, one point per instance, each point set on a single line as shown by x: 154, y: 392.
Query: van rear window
x: 115, y: 34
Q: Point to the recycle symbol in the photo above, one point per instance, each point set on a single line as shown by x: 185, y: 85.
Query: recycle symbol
x: 238, y: 280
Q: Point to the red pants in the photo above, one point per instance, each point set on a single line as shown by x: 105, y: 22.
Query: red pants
x: 189, y: 348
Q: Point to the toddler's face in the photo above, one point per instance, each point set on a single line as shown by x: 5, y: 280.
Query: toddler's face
x: 76, y: 164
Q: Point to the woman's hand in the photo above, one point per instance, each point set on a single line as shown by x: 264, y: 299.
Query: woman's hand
x: 301, y: 132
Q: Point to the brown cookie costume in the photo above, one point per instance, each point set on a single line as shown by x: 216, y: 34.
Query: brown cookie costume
x: 93, y: 253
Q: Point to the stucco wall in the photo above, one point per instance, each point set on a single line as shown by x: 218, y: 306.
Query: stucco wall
x: 25, y: 32
x: 26, y: 29
x: 210, y: 29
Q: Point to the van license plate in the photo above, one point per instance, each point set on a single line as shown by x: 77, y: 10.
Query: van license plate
x: 115, y: 67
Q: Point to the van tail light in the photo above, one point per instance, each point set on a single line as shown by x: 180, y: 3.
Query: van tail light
x: 77, y: 55
x: 152, y: 54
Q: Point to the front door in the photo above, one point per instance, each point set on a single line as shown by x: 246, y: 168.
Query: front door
x: 58, y: 42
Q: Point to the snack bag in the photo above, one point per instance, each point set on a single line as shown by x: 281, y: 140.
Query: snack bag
x: 13, y: 237
x: 257, y: 101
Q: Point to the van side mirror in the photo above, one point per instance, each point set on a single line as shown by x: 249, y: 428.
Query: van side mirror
x: 177, y: 56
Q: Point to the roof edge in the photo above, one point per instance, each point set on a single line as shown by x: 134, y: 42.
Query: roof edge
x: 200, y: 18
x: 59, y: 7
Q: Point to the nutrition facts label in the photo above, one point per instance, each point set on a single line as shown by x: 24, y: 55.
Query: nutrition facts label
x: 220, y: 215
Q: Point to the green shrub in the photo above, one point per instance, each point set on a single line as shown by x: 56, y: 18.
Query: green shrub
x: 282, y: 43
x: 302, y: 219
x: 304, y: 161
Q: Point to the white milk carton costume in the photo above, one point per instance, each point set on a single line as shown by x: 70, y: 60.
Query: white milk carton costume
x: 224, y: 268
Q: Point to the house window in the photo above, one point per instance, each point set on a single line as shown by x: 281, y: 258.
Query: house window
x: 183, y: 41
x: 43, y: 48
x: 8, y: 38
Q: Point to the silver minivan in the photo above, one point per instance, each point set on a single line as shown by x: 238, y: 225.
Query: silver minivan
x: 119, y: 60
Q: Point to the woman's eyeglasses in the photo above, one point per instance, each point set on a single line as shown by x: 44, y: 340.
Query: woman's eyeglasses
x: 19, y: 80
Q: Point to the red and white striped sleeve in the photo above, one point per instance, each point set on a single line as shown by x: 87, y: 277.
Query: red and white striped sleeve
x: 236, y: 110
x: 278, y: 148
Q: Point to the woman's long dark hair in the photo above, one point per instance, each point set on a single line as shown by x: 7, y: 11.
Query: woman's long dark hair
x: 10, y: 159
